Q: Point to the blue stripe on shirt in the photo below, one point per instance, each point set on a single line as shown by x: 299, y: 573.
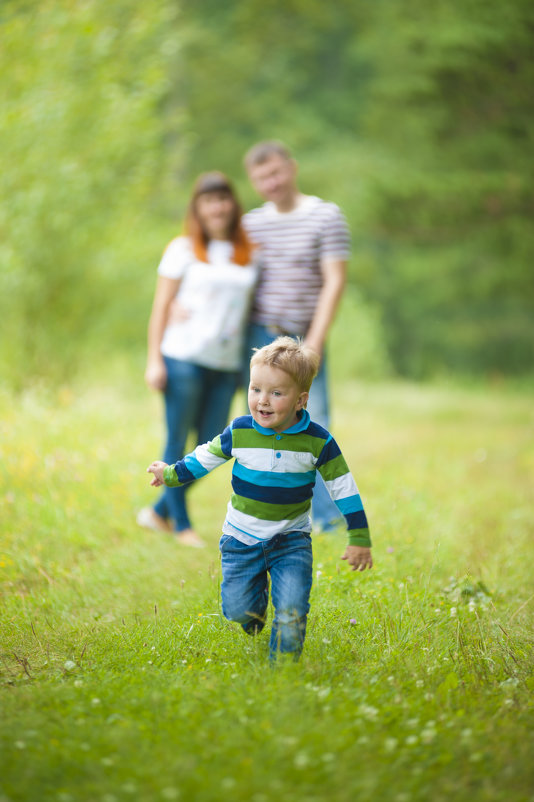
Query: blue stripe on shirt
x: 357, y: 520
x: 272, y: 478
x: 271, y: 495
x: 330, y: 451
x: 184, y: 475
x: 226, y: 442
x: 349, y: 504
x: 194, y: 467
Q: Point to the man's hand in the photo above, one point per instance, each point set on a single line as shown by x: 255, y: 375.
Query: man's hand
x: 157, y: 469
x: 359, y: 557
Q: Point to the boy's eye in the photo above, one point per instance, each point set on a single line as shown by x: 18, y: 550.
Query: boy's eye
x: 277, y: 392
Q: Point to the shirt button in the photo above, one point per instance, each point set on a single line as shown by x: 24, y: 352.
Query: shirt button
x: 278, y: 455
x: 278, y: 436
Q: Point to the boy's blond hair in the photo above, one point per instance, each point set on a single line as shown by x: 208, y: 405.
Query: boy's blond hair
x: 291, y: 356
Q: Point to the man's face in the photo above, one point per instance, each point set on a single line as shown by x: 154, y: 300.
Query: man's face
x: 275, y: 179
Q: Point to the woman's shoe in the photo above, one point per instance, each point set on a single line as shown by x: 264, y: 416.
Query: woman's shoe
x: 148, y: 518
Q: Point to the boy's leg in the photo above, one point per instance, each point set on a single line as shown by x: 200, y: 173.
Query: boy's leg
x: 290, y: 565
x: 245, y: 585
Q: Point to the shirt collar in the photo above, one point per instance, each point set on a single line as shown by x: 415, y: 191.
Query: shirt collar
x: 299, y: 426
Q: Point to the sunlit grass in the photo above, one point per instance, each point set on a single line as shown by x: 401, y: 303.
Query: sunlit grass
x: 121, y: 680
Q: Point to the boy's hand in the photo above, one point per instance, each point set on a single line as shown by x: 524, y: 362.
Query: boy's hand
x: 157, y: 469
x: 359, y: 557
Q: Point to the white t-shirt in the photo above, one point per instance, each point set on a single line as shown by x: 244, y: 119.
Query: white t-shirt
x: 217, y: 295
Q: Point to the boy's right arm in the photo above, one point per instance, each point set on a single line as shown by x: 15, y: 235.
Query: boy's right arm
x: 157, y: 468
x: 193, y: 466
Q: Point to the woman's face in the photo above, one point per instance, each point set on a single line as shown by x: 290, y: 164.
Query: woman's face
x: 215, y: 211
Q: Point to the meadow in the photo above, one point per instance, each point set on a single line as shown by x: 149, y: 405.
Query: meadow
x: 122, y: 681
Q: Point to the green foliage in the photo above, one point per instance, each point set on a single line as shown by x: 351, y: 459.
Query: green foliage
x: 415, y: 117
x: 451, y: 229
x: 121, y: 680
x: 83, y: 127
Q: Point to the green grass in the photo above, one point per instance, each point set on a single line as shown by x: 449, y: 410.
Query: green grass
x: 121, y: 680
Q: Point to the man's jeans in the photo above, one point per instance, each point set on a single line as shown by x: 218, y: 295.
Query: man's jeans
x: 245, y: 587
x: 324, y: 512
x: 196, y: 399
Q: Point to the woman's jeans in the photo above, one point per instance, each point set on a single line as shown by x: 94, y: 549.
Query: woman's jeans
x: 196, y: 399
x: 325, y: 514
x: 245, y: 587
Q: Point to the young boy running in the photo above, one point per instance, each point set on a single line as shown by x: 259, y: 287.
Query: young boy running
x: 277, y: 451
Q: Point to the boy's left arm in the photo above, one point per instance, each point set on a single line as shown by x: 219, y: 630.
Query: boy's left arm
x: 345, y: 494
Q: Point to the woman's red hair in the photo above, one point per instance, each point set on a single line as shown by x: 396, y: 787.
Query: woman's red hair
x: 216, y: 182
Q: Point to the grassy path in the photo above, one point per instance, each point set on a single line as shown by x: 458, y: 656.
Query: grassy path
x: 121, y: 681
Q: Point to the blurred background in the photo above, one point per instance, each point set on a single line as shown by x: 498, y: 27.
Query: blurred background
x: 415, y: 117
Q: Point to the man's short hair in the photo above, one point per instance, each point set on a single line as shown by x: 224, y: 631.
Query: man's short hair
x: 291, y: 356
x: 262, y: 152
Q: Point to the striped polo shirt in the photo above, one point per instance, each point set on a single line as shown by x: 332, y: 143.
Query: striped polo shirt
x: 273, y: 477
x: 292, y: 247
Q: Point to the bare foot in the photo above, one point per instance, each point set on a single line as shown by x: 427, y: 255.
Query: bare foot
x: 190, y: 538
x: 148, y: 518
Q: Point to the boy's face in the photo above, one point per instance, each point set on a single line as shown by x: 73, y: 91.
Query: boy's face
x: 273, y: 398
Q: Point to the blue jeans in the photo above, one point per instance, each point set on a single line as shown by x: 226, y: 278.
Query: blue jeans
x: 324, y: 511
x: 196, y: 399
x: 245, y: 587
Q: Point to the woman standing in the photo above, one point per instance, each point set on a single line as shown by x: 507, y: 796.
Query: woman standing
x: 195, y: 355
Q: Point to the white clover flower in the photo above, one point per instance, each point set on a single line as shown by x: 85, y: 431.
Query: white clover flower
x: 411, y: 740
x: 453, y: 612
x: 95, y: 702
x: 368, y: 712
x: 390, y: 744
x: 428, y: 735
x: 301, y: 760
x: 68, y: 665
x: 170, y: 793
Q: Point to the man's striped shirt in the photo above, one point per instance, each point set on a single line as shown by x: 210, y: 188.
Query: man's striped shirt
x: 292, y: 247
x: 273, y: 477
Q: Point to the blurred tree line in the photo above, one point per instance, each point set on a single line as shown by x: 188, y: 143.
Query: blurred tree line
x: 416, y: 118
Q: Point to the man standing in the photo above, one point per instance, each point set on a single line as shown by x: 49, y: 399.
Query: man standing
x: 305, y: 246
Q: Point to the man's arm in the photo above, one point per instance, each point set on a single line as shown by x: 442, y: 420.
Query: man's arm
x: 334, y: 273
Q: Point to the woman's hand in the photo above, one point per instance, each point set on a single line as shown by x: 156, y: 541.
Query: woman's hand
x: 156, y: 375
